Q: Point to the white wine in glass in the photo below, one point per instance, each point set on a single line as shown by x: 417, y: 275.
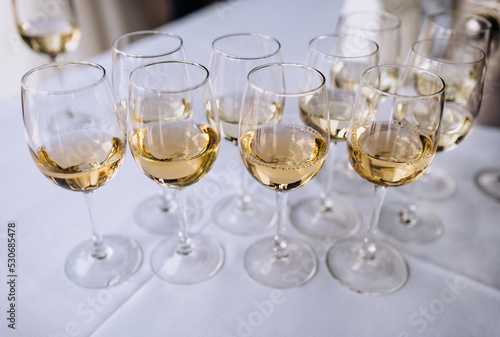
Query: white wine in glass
x: 283, y: 155
x: 459, y: 27
x: 80, y: 155
x: 462, y: 67
x: 47, y: 27
x: 385, y: 29
x: 174, y: 136
x: 159, y: 213
x: 342, y: 58
x: 391, y: 140
x: 241, y: 211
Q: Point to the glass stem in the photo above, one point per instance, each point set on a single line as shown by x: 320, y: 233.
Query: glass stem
x: 369, y: 249
x: 99, y: 251
x: 184, y: 247
x: 326, y: 203
x: 244, y: 199
x: 280, y: 243
x: 165, y: 199
x: 408, y: 215
x: 54, y: 58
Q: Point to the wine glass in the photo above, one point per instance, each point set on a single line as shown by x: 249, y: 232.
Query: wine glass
x: 342, y: 58
x: 47, y: 28
x: 462, y: 66
x: 232, y: 57
x: 437, y: 184
x: 283, y: 154
x: 80, y: 157
x: 385, y: 29
x: 382, y: 27
x: 159, y: 213
x: 391, y: 139
x: 174, y: 137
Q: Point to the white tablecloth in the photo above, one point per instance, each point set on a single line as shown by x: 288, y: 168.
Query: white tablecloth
x: 454, y: 283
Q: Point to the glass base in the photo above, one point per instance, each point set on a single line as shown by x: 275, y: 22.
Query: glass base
x: 348, y: 182
x: 205, y: 260
x: 123, y: 258
x: 384, y: 274
x: 434, y: 185
x: 314, y: 220
x: 153, y: 218
x: 488, y: 182
x: 255, y: 216
x: 297, y: 268
x: 426, y: 227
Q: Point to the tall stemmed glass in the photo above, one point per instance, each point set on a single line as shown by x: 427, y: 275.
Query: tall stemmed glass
x: 385, y: 29
x: 159, y: 213
x: 81, y: 156
x: 342, y: 59
x: 437, y: 184
x: 49, y: 29
x: 391, y: 139
x: 174, y: 137
x: 462, y: 66
x: 283, y: 154
x: 232, y: 57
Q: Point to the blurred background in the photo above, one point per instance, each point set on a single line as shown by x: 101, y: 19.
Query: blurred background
x: 101, y: 21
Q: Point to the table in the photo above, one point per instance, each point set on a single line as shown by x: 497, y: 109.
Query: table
x: 454, y: 283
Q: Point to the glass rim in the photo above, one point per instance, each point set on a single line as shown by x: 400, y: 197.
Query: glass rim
x: 263, y: 36
x: 146, y: 33
x: 323, y: 36
x: 478, y: 17
x: 25, y: 77
x: 378, y: 12
x: 481, y: 59
x: 159, y: 91
x: 287, y: 64
x: 385, y: 93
